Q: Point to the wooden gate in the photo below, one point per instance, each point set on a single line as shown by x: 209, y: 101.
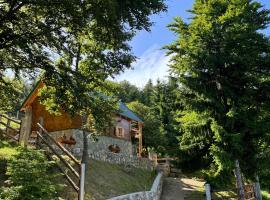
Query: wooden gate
x: 73, y: 174
x: 233, y: 194
x: 250, y: 192
x: 10, y: 128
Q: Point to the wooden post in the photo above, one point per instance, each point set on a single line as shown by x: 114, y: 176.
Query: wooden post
x: 208, y: 191
x: 82, y: 182
x: 140, y: 139
x: 26, y: 126
x: 0, y: 122
x: 239, y: 181
x: 7, y: 125
x: 18, y: 113
x: 257, y: 189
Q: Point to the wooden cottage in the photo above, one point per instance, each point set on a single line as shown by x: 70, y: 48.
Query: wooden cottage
x: 127, y: 126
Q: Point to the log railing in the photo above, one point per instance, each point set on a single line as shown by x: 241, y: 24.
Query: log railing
x: 10, y: 127
x: 77, y: 171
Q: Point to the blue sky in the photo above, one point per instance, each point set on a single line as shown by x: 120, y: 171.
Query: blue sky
x: 152, y: 61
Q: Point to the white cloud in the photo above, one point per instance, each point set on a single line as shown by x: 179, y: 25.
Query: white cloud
x: 153, y: 64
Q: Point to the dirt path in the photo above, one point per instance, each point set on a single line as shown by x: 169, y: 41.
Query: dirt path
x: 179, y: 188
x: 172, y: 189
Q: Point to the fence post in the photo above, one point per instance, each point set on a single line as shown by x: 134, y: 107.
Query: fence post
x: 208, y: 191
x: 17, y: 114
x: 7, y: 125
x: 82, y: 181
x: 257, y: 191
x: 239, y: 181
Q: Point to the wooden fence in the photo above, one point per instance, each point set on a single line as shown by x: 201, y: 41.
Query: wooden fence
x: 250, y: 192
x: 76, y: 176
x: 10, y: 127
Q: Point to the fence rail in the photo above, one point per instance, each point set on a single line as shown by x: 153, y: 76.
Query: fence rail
x: 10, y: 127
x: 233, y: 194
x: 76, y: 178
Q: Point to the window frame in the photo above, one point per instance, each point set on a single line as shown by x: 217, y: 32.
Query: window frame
x: 117, y: 133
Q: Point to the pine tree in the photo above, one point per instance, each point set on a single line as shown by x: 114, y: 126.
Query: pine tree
x: 147, y: 92
x: 164, y: 101
x: 221, y: 59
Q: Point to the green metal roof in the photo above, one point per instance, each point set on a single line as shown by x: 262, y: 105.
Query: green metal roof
x: 126, y: 112
x: 123, y: 109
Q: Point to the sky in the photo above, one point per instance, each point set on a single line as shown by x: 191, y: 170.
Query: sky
x: 147, y: 46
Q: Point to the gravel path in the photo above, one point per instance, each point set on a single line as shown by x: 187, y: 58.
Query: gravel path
x: 172, y: 189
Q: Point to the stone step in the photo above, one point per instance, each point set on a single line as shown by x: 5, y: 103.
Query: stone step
x: 176, y: 170
x: 175, y: 175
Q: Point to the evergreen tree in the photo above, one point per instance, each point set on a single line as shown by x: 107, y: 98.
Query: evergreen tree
x: 163, y: 105
x: 152, y: 137
x: 221, y: 59
x: 147, y: 92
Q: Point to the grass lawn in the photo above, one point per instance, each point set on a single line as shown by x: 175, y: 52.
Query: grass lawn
x: 265, y: 195
x: 199, y: 194
x: 105, y: 180
x: 7, y: 150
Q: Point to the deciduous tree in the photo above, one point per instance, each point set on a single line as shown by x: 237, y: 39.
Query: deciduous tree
x: 76, y: 44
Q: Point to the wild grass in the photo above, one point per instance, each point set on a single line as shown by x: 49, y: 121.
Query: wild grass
x: 105, y: 180
x: 7, y: 150
x: 265, y: 195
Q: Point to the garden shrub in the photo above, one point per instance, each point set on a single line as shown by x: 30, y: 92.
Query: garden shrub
x: 31, y: 177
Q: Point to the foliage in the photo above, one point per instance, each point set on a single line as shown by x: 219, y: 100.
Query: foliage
x: 7, y: 153
x: 265, y: 195
x: 221, y: 59
x: 12, y: 92
x: 152, y: 137
x: 156, y: 105
x: 75, y: 44
x: 7, y: 150
x: 147, y: 93
x: 164, y: 102
x: 127, y: 92
x: 30, y: 177
x: 263, y: 172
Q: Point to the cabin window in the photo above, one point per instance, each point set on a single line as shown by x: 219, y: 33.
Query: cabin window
x: 120, y: 131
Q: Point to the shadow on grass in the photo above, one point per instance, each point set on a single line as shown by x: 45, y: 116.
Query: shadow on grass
x: 222, y: 195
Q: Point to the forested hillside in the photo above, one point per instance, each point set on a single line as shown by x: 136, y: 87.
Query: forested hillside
x: 161, y: 105
x: 156, y: 104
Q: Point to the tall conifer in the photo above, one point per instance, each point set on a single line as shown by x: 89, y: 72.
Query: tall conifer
x: 222, y: 60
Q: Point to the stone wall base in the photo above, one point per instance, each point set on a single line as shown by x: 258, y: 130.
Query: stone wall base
x: 99, y: 150
x: 153, y: 194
